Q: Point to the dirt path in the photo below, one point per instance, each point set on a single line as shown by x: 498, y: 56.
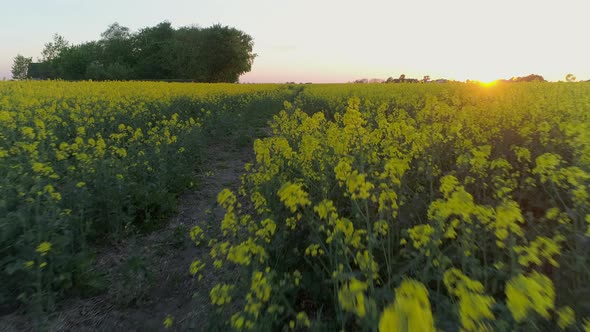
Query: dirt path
x: 149, y: 275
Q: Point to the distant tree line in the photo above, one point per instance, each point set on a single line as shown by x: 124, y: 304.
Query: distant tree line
x: 402, y: 79
x: 214, y: 54
x: 426, y: 79
x: 529, y: 78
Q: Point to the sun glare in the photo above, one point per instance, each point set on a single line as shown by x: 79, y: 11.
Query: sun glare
x: 488, y: 83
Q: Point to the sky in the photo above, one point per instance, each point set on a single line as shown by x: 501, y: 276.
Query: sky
x: 339, y: 41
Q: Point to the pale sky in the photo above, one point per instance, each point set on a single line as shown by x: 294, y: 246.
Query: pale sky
x: 339, y: 40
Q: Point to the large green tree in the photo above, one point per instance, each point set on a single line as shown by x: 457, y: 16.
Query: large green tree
x: 20, y: 67
x: 54, y: 48
x: 227, y: 53
x: 214, y: 54
x: 152, y: 47
x: 117, y: 52
x: 51, y: 54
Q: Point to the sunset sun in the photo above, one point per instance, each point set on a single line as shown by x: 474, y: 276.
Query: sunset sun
x: 488, y: 83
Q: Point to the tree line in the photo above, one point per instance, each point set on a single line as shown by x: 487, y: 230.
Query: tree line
x: 426, y: 79
x: 214, y: 54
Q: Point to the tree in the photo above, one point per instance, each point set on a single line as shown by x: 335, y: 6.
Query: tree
x: 117, y: 47
x: 214, y: 54
x: 50, y: 53
x: 20, y: 67
x: 152, y: 52
x: 227, y: 53
x: 570, y: 78
x: 116, y: 31
x: 529, y: 78
x: 54, y: 48
x: 96, y: 71
x: 185, y: 54
x: 73, y: 62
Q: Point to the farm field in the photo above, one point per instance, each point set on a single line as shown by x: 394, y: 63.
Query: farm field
x: 413, y: 208
x: 84, y: 162
x: 364, y: 207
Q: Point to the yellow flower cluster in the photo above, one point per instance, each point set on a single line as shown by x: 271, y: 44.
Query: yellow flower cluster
x: 221, y: 294
x: 410, y: 310
x: 197, y: 235
x: 196, y: 267
x: 43, y: 248
x: 168, y: 321
x: 314, y: 250
x: 293, y: 196
x: 351, y: 297
x: 532, y: 293
x: 474, y: 306
x: 420, y: 235
x: 540, y: 248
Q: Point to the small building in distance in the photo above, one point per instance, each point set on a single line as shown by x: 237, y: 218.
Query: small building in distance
x: 40, y: 71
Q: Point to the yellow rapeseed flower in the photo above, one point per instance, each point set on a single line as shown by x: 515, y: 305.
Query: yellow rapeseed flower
x: 293, y: 196
x: 303, y: 319
x: 474, y: 306
x: 226, y: 199
x: 420, y: 235
x: 43, y: 248
x: 565, y: 317
x: 260, y: 286
x: 325, y: 209
x: 410, y: 310
x: 196, y: 267
x: 351, y: 297
x: 168, y: 321
x: 314, y: 250
x: 534, y: 292
x: 221, y: 294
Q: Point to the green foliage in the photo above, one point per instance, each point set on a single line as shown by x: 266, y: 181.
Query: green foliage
x: 214, y: 54
x: 20, y: 67
x: 154, y: 53
x: 227, y: 53
x: 52, y: 50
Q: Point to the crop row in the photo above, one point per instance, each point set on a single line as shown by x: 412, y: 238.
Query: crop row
x: 83, y: 161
